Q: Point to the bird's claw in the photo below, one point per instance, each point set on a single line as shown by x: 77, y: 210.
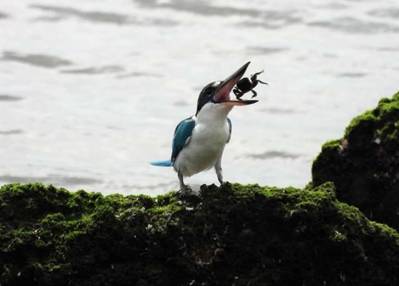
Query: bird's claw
x: 185, y: 189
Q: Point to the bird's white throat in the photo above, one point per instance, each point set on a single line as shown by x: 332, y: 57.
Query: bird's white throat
x: 213, y: 113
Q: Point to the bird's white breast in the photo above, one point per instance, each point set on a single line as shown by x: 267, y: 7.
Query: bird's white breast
x: 208, y: 139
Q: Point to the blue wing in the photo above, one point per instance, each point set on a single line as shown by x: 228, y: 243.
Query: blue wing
x: 230, y: 129
x: 182, y: 136
x: 164, y: 163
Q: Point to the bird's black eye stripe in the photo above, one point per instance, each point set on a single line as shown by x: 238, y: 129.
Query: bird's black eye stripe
x: 209, y: 90
x: 206, y: 95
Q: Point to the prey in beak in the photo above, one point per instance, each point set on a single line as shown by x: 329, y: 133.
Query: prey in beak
x: 222, y: 93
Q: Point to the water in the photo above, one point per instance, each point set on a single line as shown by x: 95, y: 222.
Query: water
x: 90, y: 91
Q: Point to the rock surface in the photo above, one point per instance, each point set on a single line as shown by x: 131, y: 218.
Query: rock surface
x: 232, y: 235
x: 364, y: 164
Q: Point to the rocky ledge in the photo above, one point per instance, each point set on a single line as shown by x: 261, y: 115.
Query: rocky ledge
x: 364, y: 164
x: 232, y: 235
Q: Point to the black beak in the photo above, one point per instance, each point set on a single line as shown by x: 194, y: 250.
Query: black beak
x: 222, y: 94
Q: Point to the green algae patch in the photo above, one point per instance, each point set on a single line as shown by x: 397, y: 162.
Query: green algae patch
x: 229, y: 235
x: 364, y: 164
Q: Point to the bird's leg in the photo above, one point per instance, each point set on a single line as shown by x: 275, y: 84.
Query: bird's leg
x: 183, y: 187
x: 218, y: 169
x: 254, y: 93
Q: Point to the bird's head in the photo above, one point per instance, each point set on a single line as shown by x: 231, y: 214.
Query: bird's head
x: 218, y: 92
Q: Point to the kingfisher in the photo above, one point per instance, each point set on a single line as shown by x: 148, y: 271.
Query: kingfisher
x: 199, y: 140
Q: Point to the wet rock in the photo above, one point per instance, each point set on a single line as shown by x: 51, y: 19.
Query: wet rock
x: 364, y: 164
x: 232, y: 235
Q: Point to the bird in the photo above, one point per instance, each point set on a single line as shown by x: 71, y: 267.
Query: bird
x: 199, y: 140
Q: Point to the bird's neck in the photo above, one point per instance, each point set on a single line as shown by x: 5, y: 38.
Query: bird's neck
x: 213, y: 114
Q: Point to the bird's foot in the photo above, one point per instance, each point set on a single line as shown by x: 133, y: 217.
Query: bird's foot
x: 224, y: 183
x: 185, y: 189
x: 185, y: 193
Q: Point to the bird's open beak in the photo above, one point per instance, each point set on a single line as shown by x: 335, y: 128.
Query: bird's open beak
x: 222, y: 94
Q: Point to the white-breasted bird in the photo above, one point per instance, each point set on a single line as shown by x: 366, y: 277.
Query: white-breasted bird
x: 199, y: 140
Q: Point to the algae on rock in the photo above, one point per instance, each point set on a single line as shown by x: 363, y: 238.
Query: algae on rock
x: 364, y: 165
x: 232, y: 235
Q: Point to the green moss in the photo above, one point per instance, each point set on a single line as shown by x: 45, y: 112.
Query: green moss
x: 232, y: 235
x: 366, y: 119
x: 333, y: 144
x: 364, y: 165
x: 387, y: 110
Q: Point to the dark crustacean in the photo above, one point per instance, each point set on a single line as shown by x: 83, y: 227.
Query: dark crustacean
x: 246, y: 84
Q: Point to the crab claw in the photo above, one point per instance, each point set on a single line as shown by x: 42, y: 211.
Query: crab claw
x: 222, y: 94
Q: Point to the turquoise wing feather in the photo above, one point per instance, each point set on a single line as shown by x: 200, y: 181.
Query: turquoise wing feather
x: 182, y: 136
x: 162, y: 163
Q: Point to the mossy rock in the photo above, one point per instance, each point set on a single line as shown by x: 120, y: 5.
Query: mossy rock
x: 364, y: 165
x: 232, y: 235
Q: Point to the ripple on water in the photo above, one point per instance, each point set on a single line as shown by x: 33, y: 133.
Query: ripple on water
x: 274, y: 20
x: 93, y: 16
x: 95, y: 70
x: 40, y: 60
x: 199, y: 8
x: 138, y: 74
x: 355, y: 26
x: 390, y: 12
x: 11, y: 132
x: 6, y: 97
x: 267, y: 155
x: 180, y: 103
x: 3, y: 15
x: 266, y: 19
x: 352, y: 74
x: 50, y: 179
x: 277, y: 110
x: 388, y: 49
x: 333, y: 6
x: 259, y: 50
x: 62, y: 12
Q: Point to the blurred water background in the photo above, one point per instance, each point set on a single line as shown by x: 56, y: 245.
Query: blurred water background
x: 91, y: 91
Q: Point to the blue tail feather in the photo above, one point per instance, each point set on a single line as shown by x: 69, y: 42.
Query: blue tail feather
x: 165, y: 163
